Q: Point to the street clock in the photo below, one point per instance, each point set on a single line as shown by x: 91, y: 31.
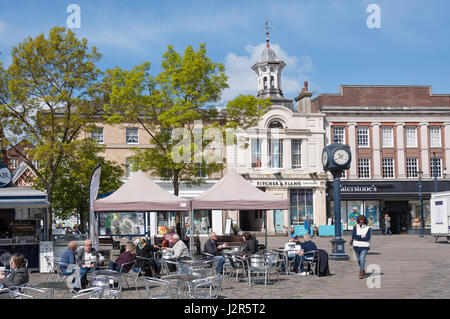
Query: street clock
x: 336, y: 157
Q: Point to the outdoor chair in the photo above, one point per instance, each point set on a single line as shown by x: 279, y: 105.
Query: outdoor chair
x: 261, y: 265
x: 159, y: 289
x: 20, y: 292
x: 310, y: 258
x: 132, y: 273
x: 165, y: 266
x: 92, y: 293
x: 139, y: 267
x: 235, y: 265
x: 206, y: 288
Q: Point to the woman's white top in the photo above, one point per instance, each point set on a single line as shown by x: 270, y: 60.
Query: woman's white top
x: 361, y: 231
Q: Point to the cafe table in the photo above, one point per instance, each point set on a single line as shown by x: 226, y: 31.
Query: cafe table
x: 181, y: 280
x: 52, y: 285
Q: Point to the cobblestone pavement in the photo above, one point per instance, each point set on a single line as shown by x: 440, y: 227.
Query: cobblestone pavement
x: 410, y: 267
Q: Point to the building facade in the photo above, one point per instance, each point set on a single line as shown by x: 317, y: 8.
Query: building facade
x: 397, y: 135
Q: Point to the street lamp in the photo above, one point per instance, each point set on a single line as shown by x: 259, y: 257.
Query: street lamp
x: 421, y: 203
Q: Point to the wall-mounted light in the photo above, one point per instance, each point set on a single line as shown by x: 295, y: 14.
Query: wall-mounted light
x: 278, y: 175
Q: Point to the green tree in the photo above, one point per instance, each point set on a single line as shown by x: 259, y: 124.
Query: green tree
x: 187, y: 90
x: 53, y: 93
x: 73, y: 176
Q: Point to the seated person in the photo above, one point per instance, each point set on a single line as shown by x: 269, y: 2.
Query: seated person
x: 307, y: 246
x: 146, y: 250
x: 250, y: 245
x: 18, y: 275
x: 169, y: 237
x: 179, y: 249
x: 85, y: 257
x: 68, y: 258
x: 212, y: 248
x: 127, y: 256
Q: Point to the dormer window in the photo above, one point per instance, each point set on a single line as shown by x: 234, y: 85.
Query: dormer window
x: 276, y: 124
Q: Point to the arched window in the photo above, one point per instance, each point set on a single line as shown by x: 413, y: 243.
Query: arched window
x: 272, y: 82
x: 265, y: 83
x: 276, y: 124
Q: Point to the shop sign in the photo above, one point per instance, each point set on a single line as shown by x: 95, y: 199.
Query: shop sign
x: 359, y: 189
x: 5, y: 176
x: 278, y: 183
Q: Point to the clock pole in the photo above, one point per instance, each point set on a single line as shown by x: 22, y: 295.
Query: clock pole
x: 338, y: 243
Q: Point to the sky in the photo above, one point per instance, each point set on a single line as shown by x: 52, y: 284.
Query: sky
x: 327, y: 43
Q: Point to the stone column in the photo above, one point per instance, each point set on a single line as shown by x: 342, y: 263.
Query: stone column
x: 400, y: 150
x: 320, y: 208
x: 376, y: 150
x: 447, y: 148
x: 287, y: 153
x: 352, y: 143
x: 424, y: 153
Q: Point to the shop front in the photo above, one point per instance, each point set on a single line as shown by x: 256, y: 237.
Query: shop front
x: 374, y: 199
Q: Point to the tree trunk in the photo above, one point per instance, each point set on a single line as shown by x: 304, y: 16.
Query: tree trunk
x: 176, y: 184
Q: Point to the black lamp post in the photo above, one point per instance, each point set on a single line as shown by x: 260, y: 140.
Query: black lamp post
x: 421, y: 204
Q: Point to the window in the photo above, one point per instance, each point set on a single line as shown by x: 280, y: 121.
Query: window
x: 411, y: 136
x: 132, y: 135
x: 275, y: 153
x: 265, y: 83
x: 363, y: 136
x: 296, y: 158
x: 200, y: 170
x: 411, y: 167
x: 128, y: 168
x: 97, y: 135
x: 272, y: 82
x: 387, y: 136
x: 364, y: 167
x: 14, y: 163
x: 388, y: 167
x: 435, y: 136
x: 276, y: 124
x: 438, y: 166
x: 339, y: 134
x: 256, y: 152
x: 301, y: 205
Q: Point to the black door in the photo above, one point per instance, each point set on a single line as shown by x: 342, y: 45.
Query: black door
x: 398, y: 210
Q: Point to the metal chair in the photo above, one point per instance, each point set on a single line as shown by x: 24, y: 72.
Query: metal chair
x: 111, y: 283
x: 92, y: 293
x: 260, y: 264
x: 166, y: 288
x: 22, y: 291
x: 206, y: 288
x: 132, y: 274
x: 311, y: 258
x: 237, y: 265
x: 165, y: 266
x: 139, y: 267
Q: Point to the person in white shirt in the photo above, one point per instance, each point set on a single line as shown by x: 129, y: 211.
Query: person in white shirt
x: 179, y: 248
x: 361, y: 243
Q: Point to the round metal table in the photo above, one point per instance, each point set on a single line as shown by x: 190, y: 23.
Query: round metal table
x: 181, y: 279
x: 52, y: 285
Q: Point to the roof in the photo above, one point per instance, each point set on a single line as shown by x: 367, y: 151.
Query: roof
x: 141, y: 193
x: 233, y: 192
x: 22, y: 196
x: 268, y: 55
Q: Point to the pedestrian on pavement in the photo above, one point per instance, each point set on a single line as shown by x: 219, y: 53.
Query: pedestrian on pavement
x: 387, y: 225
x: 307, y: 225
x: 212, y: 248
x: 361, y: 243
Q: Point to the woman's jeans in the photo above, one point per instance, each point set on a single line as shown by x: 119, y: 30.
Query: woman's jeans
x: 361, y: 253
x: 113, y: 266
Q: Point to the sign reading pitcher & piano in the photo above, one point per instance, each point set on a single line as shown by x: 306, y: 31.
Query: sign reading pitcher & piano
x: 282, y: 183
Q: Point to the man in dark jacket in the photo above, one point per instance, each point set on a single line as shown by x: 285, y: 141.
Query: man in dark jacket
x: 149, y: 265
x: 212, y: 248
x: 307, y: 246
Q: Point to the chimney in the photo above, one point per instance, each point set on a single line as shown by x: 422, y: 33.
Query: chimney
x: 304, y: 100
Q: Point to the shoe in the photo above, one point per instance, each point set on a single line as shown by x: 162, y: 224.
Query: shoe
x: 302, y: 273
x: 361, y: 274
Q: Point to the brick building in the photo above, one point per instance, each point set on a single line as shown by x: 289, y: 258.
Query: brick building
x: 396, y: 134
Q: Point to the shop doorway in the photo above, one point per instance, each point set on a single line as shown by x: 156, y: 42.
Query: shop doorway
x: 400, y: 216
x: 251, y: 220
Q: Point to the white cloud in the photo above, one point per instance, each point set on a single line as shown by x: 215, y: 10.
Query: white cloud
x: 242, y: 79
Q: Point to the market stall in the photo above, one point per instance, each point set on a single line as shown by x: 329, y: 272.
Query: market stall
x: 125, y: 212
x: 233, y: 192
x: 23, y: 223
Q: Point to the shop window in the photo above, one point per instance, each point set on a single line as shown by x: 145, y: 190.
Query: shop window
x: 202, y: 222
x: 164, y: 221
x: 363, y: 136
x: 343, y: 213
x: 372, y: 212
x: 411, y: 136
x: 301, y: 205
x: 339, y: 134
x: 435, y: 136
x: 256, y: 152
x: 411, y: 167
x: 121, y: 224
x: 354, y: 209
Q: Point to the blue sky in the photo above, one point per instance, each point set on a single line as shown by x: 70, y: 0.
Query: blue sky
x: 324, y: 42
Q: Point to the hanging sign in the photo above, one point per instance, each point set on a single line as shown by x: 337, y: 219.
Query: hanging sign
x: 5, y: 176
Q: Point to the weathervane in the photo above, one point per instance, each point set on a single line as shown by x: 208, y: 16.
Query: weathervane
x: 267, y: 32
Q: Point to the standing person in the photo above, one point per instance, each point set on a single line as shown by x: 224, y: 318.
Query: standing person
x: 86, y: 256
x: 361, y: 243
x: 387, y: 224
x: 68, y: 258
x: 307, y: 225
x: 212, y: 248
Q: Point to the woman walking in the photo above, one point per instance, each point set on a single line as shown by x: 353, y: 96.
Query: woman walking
x: 361, y: 243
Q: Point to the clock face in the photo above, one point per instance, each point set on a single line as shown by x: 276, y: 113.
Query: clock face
x: 340, y: 157
x: 324, y: 158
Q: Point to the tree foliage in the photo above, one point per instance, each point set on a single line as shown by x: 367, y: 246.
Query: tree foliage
x: 187, y: 90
